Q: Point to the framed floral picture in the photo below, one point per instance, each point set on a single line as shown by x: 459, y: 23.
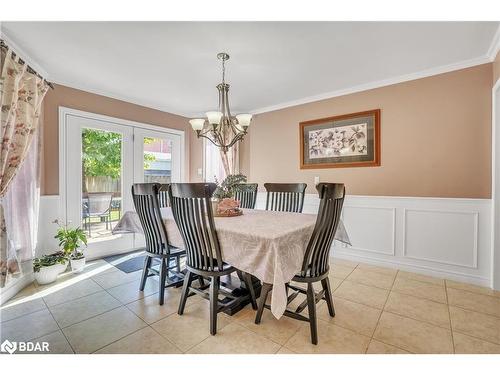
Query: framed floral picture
x: 351, y: 140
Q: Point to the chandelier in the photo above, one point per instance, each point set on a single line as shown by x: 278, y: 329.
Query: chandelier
x: 220, y: 127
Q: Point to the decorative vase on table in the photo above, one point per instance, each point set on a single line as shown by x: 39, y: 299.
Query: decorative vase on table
x: 223, y: 202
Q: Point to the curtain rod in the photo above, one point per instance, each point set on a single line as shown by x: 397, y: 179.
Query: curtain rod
x: 22, y: 62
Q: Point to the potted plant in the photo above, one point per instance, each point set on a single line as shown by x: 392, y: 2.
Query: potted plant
x: 70, y: 240
x: 223, y: 197
x: 48, y: 267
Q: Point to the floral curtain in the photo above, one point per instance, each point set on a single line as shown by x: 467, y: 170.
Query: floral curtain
x: 21, y: 97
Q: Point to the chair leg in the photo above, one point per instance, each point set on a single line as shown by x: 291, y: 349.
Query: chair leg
x: 328, y: 296
x: 214, y: 303
x: 249, y: 285
x: 145, y: 272
x: 266, y: 288
x: 201, y: 280
x: 185, y: 292
x: 311, y: 304
x: 163, y: 277
x: 179, y: 263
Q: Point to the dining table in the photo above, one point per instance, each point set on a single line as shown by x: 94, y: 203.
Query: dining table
x: 270, y: 245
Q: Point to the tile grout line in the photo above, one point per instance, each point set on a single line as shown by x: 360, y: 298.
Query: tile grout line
x: 23, y: 315
x: 382, y: 311
x: 262, y: 335
x: 166, y: 338
x: 475, y: 311
x: 60, y: 329
x: 112, y: 342
x: 73, y: 299
x: 478, y: 338
x: 449, y: 315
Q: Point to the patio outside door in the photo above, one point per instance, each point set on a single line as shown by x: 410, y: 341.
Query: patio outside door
x: 102, y: 160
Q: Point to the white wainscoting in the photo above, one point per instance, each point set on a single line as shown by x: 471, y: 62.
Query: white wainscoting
x: 442, y: 237
x: 49, y: 211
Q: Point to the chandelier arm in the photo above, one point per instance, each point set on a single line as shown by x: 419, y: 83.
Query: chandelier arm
x: 210, y: 139
x: 237, y: 138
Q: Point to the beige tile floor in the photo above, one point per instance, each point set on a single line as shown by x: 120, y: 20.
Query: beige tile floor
x: 378, y: 310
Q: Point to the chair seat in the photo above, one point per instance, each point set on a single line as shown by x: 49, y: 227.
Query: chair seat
x: 308, y: 278
x: 226, y: 269
x: 176, y: 251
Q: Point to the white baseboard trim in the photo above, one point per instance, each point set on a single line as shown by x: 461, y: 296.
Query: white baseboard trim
x: 18, y: 284
x: 424, y: 270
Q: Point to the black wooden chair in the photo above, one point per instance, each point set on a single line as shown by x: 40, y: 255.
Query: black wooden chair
x: 285, y: 197
x: 192, y: 211
x: 315, y: 265
x: 163, y: 196
x: 146, y: 203
x: 246, y: 194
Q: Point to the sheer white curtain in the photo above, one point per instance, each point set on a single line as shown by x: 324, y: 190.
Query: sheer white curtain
x: 214, y: 162
x: 21, y: 204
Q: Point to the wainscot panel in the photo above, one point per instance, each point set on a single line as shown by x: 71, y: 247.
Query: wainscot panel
x: 442, y: 237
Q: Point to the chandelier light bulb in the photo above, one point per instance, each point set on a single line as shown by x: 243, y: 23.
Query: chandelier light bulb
x: 197, y: 123
x: 244, y: 119
x: 214, y: 117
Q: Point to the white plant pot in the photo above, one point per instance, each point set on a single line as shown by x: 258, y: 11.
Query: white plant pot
x: 49, y: 274
x: 77, y: 265
x: 62, y: 267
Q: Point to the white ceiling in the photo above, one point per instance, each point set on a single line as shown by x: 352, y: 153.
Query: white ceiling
x: 172, y: 66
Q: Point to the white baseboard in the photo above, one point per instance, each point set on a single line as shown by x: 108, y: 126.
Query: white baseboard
x: 442, y: 237
x: 17, y: 284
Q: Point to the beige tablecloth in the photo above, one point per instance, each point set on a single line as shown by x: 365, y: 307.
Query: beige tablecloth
x: 267, y: 244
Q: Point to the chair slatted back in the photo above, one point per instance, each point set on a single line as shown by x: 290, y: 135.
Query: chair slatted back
x: 146, y: 204
x: 246, y: 194
x: 318, y: 249
x: 285, y: 197
x: 192, y: 211
x: 163, y: 196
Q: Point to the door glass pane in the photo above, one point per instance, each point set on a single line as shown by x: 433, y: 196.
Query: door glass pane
x: 101, y: 182
x: 157, y: 160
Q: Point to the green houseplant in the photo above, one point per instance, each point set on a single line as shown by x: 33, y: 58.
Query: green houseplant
x: 229, y: 186
x: 48, y: 267
x: 70, y: 241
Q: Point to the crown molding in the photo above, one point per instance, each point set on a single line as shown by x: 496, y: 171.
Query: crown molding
x: 494, y: 46
x: 489, y: 56
x: 23, y: 55
x: 122, y: 98
x: 377, y: 84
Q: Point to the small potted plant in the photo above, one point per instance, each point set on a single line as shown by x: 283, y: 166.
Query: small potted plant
x: 48, y: 267
x: 70, y: 240
x: 223, y: 203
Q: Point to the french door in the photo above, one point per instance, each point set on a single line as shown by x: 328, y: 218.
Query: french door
x: 102, y: 158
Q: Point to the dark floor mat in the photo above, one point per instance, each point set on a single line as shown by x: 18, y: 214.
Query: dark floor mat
x: 128, y: 262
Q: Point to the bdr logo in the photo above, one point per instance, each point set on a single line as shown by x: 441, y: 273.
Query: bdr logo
x: 21, y: 346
